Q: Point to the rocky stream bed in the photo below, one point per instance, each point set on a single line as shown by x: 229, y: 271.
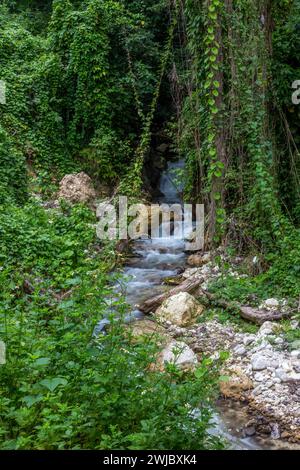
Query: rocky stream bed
x: 260, y: 399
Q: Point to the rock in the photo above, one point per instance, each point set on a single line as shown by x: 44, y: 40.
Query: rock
x: 260, y: 377
x: 238, y: 383
x: 272, y: 304
x: 296, y: 367
x: 287, y: 375
x: 250, y: 431
x: 261, y: 362
x: 177, y: 353
x: 267, y: 329
x: 281, y: 374
x: 295, y: 353
x: 279, y: 341
x: 181, y: 309
x: 294, y: 324
x: 199, y: 259
x: 275, y: 431
x: 249, y: 340
x: 76, y: 188
x: 295, y: 345
x: 240, y: 350
x: 149, y: 329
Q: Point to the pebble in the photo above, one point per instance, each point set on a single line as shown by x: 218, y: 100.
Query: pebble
x: 279, y: 341
x: 249, y: 340
x: 295, y: 353
x: 240, y: 350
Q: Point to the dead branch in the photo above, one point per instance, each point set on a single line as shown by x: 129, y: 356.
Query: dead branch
x: 251, y: 314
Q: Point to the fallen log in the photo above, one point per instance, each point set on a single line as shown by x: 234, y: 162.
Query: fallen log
x: 251, y: 314
x: 189, y: 285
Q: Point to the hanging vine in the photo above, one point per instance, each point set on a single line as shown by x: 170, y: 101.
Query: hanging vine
x: 132, y: 183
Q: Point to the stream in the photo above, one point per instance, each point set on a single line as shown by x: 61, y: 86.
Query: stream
x: 154, y: 260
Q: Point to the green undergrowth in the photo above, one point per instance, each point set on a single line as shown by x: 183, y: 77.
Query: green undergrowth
x: 63, y: 388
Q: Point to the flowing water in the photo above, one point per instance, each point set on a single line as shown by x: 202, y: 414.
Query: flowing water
x: 153, y: 261
x: 156, y: 259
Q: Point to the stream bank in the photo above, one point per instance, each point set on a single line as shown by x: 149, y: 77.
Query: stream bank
x: 255, y: 395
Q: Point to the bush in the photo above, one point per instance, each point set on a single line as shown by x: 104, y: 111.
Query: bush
x: 62, y: 389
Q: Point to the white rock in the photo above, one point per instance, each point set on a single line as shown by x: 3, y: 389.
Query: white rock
x: 272, y: 304
x: 178, y: 353
x: 240, y: 350
x: 181, y: 309
x: 295, y: 353
x: 287, y: 376
x: 249, y: 340
x: 294, y: 324
x: 267, y: 329
x: 260, y: 377
x: 279, y: 340
x: 260, y: 362
x: 269, y: 384
x: 258, y: 390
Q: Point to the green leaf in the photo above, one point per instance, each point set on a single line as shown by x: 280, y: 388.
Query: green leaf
x: 31, y: 400
x: 52, y: 384
x: 42, y: 361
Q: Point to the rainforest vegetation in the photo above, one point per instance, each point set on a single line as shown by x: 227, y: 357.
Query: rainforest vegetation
x: 91, y: 86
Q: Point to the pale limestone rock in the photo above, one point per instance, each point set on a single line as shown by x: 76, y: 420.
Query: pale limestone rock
x: 76, y: 188
x: 181, y: 309
x: 177, y: 353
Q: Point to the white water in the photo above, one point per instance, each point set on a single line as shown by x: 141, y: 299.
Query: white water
x: 156, y: 259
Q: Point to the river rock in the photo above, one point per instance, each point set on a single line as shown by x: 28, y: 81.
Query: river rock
x: 236, y: 384
x: 149, y: 329
x: 76, y: 188
x: 267, y: 329
x: 177, y: 353
x: 181, y: 309
x: 271, y: 304
x: 261, y: 362
x: 199, y: 259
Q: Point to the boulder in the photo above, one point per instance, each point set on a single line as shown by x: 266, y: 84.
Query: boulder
x: 139, y: 330
x: 76, y: 188
x: 177, y: 353
x: 236, y: 385
x: 181, y: 309
x: 199, y: 259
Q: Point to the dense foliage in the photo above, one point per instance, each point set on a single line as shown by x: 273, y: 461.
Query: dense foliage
x: 62, y: 388
x: 87, y: 83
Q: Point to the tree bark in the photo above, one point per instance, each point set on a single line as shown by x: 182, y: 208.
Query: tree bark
x: 248, y: 313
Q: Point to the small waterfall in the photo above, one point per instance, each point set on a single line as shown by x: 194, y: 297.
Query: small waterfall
x: 156, y: 259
